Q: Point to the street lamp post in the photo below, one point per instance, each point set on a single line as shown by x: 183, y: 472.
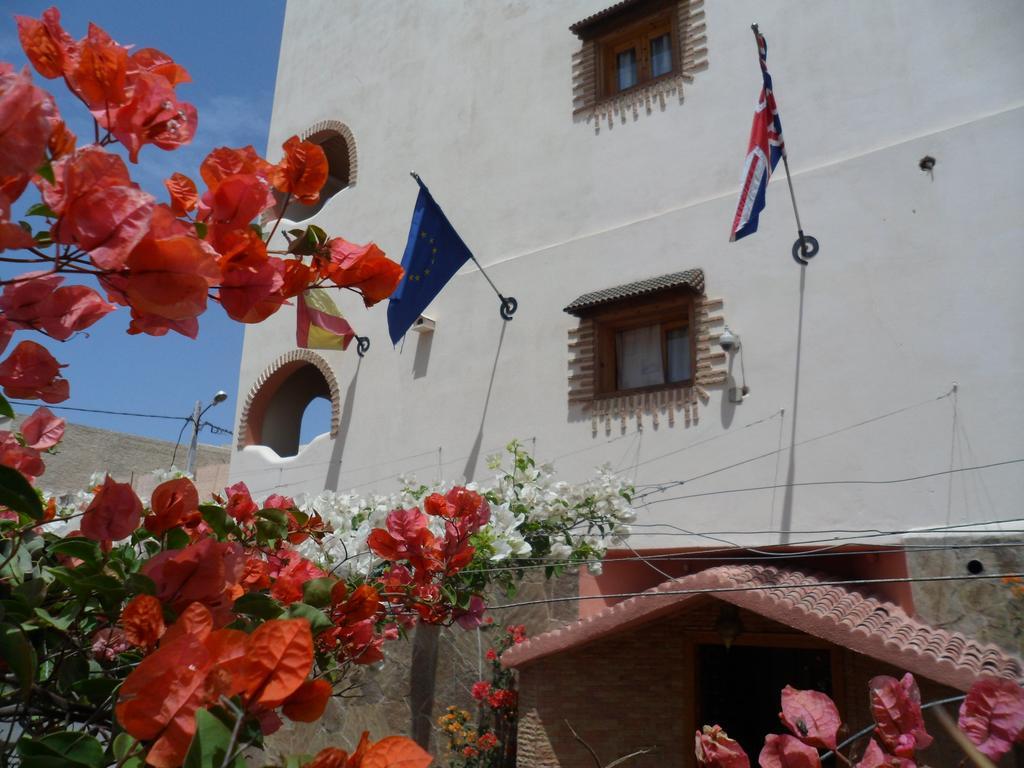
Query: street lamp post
x: 197, y: 415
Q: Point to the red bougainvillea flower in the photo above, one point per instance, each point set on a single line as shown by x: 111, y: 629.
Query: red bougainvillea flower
x: 390, y: 752
x: 30, y: 372
x: 36, y: 302
x: 250, y: 289
x: 896, y: 707
x: 256, y: 576
x: 364, y: 267
x: 308, y: 702
x: 113, y: 514
x: 184, y: 196
x: 992, y: 716
x: 143, y: 621
x: 287, y: 586
x: 100, y: 74
x: 206, y: 572
x: 473, y: 615
x: 174, y: 503
x: 42, y: 430
x: 153, y: 115
x: 239, y: 502
x: 481, y: 689
x: 12, y: 235
x: 159, y: 63
x: 26, y: 114
x: 407, y: 538
x: 51, y: 50
x: 302, y: 172
x: 785, y: 751
x: 100, y: 209
x: 811, y: 716
x: 22, y: 458
x: 279, y: 657
x: 224, y: 162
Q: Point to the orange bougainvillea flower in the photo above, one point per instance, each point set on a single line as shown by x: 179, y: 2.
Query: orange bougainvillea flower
x: 308, y: 702
x: 26, y: 115
x: 174, y: 503
x: 238, y: 200
x: 30, y: 372
x: 169, y: 271
x: 51, y: 50
x: 101, y: 209
x: 390, y: 752
x: 143, y: 621
x: 250, y: 293
x: 196, y: 620
x: 36, y: 302
x: 42, y: 430
x: 279, y: 657
x: 153, y: 115
x: 100, y: 75
x: 224, y: 162
x: 159, y: 63
x: 113, y: 513
x: 206, y: 572
x: 364, y: 267
x: 184, y: 195
x: 302, y: 172
x: 62, y: 140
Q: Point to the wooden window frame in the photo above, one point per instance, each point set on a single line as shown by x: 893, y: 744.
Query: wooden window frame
x: 637, y: 35
x: 670, y: 309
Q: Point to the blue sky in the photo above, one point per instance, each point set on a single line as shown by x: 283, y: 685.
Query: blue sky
x: 230, y: 47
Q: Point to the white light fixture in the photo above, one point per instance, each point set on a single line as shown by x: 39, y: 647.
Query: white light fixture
x: 728, y: 341
x: 423, y: 324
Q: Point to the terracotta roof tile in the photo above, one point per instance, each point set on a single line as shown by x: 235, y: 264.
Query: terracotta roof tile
x: 690, y: 278
x: 866, y: 625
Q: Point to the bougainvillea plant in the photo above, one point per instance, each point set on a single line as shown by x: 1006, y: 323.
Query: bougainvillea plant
x: 165, y: 632
x: 491, y: 742
x: 991, y: 718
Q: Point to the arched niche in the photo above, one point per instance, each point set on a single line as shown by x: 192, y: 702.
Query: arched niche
x: 272, y: 414
x: 339, y: 145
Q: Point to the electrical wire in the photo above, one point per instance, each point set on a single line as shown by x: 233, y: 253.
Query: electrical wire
x: 109, y: 413
x: 754, y: 588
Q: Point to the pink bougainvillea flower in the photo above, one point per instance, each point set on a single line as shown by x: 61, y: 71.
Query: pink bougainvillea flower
x: 472, y: 616
x: 159, y: 63
x: 39, y: 302
x: 51, y: 50
x: 811, y: 716
x: 301, y: 172
x: 153, y: 115
x: 26, y: 114
x: 113, y: 514
x: 992, y: 716
x: 364, y: 267
x: 108, y: 642
x: 22, y: 458
x: 896, y: 707
x: 143, y: 322
x: 42, y: 430
x: 287, y: 586
x: 239, y: 502
x: 875, y: 757
x: 785, y: 751
x: 12, y: 235
x: 30, y: 372
x: 100, y: 209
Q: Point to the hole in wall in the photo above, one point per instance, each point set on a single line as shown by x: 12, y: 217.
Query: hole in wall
x: 291, y: 408
x: 974, y: 567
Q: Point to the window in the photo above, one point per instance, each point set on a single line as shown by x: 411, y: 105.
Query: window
x: 645, y: 344
x: 637, y: 54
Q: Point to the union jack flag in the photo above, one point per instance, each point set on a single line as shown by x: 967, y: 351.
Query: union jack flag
x: 763, y: 154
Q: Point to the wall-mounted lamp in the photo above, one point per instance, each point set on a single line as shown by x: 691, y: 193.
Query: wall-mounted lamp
x: 728, y: 624
x: 730, y: 344
x: 423, y: 324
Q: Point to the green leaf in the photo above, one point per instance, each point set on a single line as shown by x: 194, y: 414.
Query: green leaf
x: 216, y: 517
x: 63, y: 748
x: 211, y: 744
x: 5, y: 408
x: 17, y: 494
x: 43, y: 238
x: 278, y: 516
x: 41, y: 209
x: 82, y: 548
x: 57, y: 622
x: 46, y: 171
x: 257, y: 605
x: 139, y: 584
x: 267, y: 532
x: 317, y: 592
x: 319, y: 234
x: 31, y: 592
x: 177, y: 539
x: 96, y: 689
x: 201, y: 229
x: 20, y: 656
x: 318, y: 621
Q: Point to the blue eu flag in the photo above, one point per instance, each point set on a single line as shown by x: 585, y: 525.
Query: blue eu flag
x: 433, y: 254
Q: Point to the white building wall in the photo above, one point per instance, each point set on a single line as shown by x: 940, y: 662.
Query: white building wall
x: 917, y: 285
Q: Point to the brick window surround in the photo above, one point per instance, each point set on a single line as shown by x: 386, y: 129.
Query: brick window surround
x: 629, y: 25
x: 592, y: 380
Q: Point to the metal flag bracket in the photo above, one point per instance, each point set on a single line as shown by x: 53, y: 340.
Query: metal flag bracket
x: 508, y: 304
x: 362, y: 345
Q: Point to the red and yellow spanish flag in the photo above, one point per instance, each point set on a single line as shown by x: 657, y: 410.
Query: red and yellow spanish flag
x: 320, y: 323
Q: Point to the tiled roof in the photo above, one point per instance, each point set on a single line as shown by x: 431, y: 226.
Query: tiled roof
x: 595, y: 17
x: 866, y: 625
x: 690, y: 278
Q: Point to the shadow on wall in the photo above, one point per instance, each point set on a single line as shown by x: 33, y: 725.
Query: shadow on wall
x: 787, y: 499
x: 474, y: 453
x: 334, y: 468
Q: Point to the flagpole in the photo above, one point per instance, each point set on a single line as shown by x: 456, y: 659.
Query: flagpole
x: 806, y: 246
x: 508, y: 304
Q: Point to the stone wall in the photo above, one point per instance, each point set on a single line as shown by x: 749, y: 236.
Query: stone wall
x: 379, y: 697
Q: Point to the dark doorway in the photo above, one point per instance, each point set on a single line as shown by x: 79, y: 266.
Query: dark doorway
x: 739, y: 687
